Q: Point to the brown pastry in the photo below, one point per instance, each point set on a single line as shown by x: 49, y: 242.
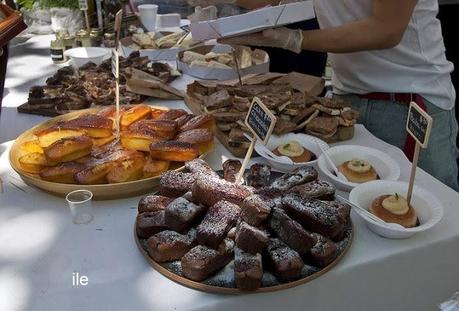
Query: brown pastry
x: 153, y: 203
x: 68, y: 149
x: 209, y: 191
x: 173, y: 151
x: 248, y: 270
x: 127, y: 170
x: 323, y: 252
x: 258, y: 176
x: 358, y: 171
x: 172, y: 114
x: 299, y: 176
x: 250, y: 239
x: 199, y: 167
x: 205, y: 121
x: 170, y: 245
x: 150, y: 223
x: 94, y: 174
x: 201, y: 261
x: 285, y: 262
x: 174, y: 184
x: 394, y: 209
x: 54, y: 133
x: 139, y: 139
x: 134, y: 114
x: 180, y: 213
x: 295, y: 152
x: 155, y: 167
x: 217, y: 222
x: 290, y: 231
x: 230, y: 169
x: 94, y: 125
x: 317, y: 189
x: 202, y: 138
x: 63, y: 173
x: 166, y: 129
x: 255, y: 210
x: 33, y: 162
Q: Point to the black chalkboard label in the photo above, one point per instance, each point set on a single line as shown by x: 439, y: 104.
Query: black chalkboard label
x: 419, y: 124
x: 260, y: 120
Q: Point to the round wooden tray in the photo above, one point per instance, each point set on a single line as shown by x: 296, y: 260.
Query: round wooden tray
x: 235, y: 291
x: 100, y: 192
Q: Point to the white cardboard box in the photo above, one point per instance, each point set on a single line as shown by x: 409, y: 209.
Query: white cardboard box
x: 261, y: 65
x: 153, y: 54
x: 253, y: 21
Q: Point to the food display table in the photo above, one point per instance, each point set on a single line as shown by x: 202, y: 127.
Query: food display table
x: 41, y: 250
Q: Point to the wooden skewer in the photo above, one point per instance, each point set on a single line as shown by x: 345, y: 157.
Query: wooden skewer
x: 414, y: 165
x: 246, y: 160
x: 86, y: 17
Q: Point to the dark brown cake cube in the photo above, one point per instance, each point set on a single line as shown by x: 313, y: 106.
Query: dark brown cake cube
x: 290, y: 232
x: 250, y: 239
x: 326, y: 218
x: 150, y: 223
x: 299, y: 176
x: 248, y: 270
x: 230, y: 169
x: 285, y: 262
x: 258, y: 176
x: 209, y: 191
x: 169, y: 245
x: 202, y: 261
x: 180, y: 213
x: 174, y: 184
x: 255, y: 210
x: 323, y: 252
x: 199, y: 167
x: 219, y: 219
x: 317, y: 189
x: 153, y: 203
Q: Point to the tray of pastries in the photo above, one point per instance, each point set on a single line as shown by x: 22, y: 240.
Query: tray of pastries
x: 82, y: 150
x: 272, y: 232
x: 293, y: 98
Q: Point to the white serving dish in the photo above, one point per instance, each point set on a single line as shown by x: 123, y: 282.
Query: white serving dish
x: 83, y: 55
x: 206, y: 73
x: 385, y: 166
x: 307, y: 141
x: 428, y: 208
x: 253, y: 21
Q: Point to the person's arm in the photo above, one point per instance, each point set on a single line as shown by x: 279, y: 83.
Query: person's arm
x: 383, y: 29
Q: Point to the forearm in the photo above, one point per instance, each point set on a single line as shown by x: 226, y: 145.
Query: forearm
x: 255, y: 4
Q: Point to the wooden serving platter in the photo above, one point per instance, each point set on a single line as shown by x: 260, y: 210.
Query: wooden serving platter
x: 100, y: 192
x: 170, y: 272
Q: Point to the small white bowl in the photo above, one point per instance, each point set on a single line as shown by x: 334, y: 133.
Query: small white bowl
x: 83, y: 55
x: 307, y: 141
x: 428, y: 208
x: 385, y: 166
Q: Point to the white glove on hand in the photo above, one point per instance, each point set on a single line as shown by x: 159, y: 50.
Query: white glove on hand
x: 205, y: 3
x: 284, y: 38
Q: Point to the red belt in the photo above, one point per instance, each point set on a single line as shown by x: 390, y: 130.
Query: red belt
x: 405, y: 98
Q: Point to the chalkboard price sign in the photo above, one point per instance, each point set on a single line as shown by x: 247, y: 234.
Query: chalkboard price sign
x: 260, y: 120
x: 419, y: 124
x: 83, y: 4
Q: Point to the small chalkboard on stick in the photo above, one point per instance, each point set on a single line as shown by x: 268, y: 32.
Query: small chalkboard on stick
x: 260, y: 121
x: 419, y: 126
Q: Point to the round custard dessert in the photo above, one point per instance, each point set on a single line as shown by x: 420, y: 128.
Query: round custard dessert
x: 295, y: 152
x: 394, y: 209
x: 358, y: 171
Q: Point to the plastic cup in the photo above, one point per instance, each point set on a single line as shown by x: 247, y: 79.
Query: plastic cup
x: 80, y: 203
x: 148, y: 13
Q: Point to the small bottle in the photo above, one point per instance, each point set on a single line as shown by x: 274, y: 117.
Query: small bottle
x: 109, y: 40
x: 57, y: 51
x: 69, y: 41
x: 82, y: 39
x: 95, y: 37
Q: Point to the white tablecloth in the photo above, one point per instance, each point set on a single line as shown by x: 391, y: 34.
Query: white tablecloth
x: 40, y: 248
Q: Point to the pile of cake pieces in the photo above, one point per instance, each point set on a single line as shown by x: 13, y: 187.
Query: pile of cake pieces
x: 263, y: 233
x: 74, y: 89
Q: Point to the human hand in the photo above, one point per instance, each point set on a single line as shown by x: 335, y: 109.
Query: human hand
x: 205, y: 3
x: 284, y: 38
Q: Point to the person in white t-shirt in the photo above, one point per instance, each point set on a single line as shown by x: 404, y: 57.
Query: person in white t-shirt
x: 384, y: 53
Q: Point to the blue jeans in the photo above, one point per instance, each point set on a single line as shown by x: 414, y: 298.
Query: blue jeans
x: 386, y: 120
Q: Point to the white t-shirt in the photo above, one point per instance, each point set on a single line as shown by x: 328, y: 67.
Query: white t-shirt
x: 417, y: 65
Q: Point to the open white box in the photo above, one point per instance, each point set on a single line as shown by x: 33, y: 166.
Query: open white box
x: 253, y: 21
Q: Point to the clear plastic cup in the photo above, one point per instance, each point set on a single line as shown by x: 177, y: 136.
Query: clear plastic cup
x: 80, y: 203
x: 148, y: 13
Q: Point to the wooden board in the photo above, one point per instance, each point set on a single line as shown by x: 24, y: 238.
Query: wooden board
x: 235, y: 291
x: 100, y: 192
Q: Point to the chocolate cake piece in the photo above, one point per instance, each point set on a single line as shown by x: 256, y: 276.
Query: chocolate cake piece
x: 208, y: 191
x: 169, y: 245
x: 258, y: 176
x: 317, y: 189
x: 219, y: 219
x: 248, y: 270
x: 230, y: 169
x: 299, y: 176
x: 153, y: 203
x: 174, y: 184
x: 150, y: 223
x: 199, y: 167
x: 255, y: 210
x: 290, y: 232
x: 202, y: 261
x: 323, y: 252
x: 250, y: 239
x: 284, y: 261
x: 180, y: 213
x: 217, y: 100
x: 318, y: 216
